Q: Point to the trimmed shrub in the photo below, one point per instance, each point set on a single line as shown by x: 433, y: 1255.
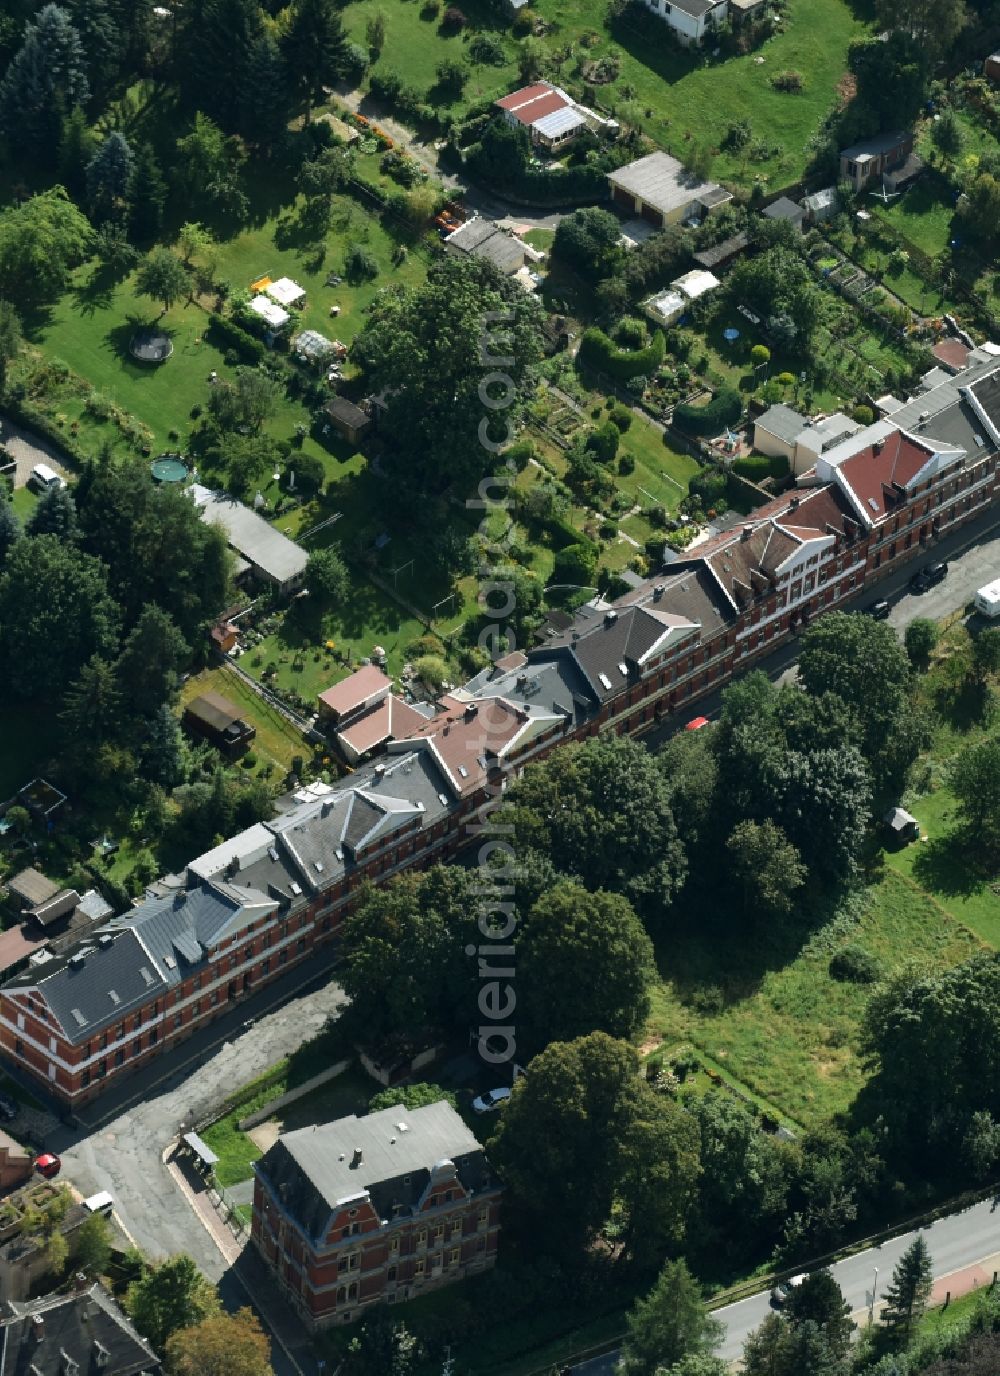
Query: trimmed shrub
x: 724, y: 409
x: 757, y: 467
x: 855, y: 965
x: 599, y: 352
x: 622, y: 417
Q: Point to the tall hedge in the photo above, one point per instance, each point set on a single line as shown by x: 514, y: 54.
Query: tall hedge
x: 757, y: 467
x: 228, y: 335
x: 601, y: 353
x: 724, y: 409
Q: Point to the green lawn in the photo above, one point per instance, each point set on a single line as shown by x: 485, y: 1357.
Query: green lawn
x: 415, y: 45
x: 276, y: 741
x: 694, y: 99
x: 346, y: 1094
x: 777, y: 1021
x: 24, y: 501
x: 683, y: 98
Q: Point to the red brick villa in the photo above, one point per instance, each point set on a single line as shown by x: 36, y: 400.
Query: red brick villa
x: 383, y: 1207
x: 241, y: 914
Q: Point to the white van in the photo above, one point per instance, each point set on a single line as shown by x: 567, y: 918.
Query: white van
x: 101, y: 1203
x: 43, y: 477
x: 988, y: 599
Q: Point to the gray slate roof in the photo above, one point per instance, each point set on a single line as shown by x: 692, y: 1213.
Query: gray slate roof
x: 139, y: 955
x: 782, y: 422
x: 785, y: 209
x: 250, y: 535
x: 312, y: 1171
x: 86, y: 1329
x: 660, y: 181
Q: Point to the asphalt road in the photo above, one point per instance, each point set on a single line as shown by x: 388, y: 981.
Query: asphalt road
x: 122, y: 1153
x: 955, y: 1242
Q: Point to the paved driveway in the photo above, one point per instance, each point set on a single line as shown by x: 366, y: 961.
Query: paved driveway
x: 27, y: 449
x: 122, y: 1153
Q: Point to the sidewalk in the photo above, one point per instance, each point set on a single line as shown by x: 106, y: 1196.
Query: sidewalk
x: 245, y: 1264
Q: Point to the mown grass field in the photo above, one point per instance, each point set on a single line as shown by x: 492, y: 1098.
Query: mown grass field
x: 684, y: 98
x: 778, y: 1022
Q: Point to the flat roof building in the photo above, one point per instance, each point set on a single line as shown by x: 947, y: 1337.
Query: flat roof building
x: 272, y: 557
x: 659, y: 189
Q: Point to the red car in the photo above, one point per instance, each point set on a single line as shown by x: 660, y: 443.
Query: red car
x: 696, y: 723
x: 48, y: 1165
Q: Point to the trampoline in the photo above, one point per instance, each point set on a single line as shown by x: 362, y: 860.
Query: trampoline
x: 151, y: 345
x: 169, y: 468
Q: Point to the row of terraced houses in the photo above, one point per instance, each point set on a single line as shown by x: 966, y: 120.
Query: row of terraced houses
x: 245, y: 912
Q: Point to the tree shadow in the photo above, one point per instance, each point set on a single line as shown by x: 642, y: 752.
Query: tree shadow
x: 948, y: 865
x: 716, y: 956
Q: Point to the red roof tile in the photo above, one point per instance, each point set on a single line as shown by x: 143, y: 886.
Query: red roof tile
x: 525, y: 93
x: 871, y: 472
x: 355, y: 690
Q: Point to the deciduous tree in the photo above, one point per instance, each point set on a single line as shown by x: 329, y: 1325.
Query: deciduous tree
x: 424, y: 344
x: 768, y: 867
x: 327, y: 576
x: 41, y: 240
x: 11, y: 340
x: 163, y: 277
x: 55, y: 612
x: 221, y: 1345
x: 975, y: 781
x: 602, y: 812
x: 169, y: 1297
x: 584, y: 964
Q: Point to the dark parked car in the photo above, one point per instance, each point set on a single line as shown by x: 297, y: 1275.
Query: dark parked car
x: 879, y: 610
x: 48, y: 1164
x: 8, y: 1108
x: 927, y: 576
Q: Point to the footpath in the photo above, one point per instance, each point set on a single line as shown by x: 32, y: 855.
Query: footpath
x: 243, y: 1262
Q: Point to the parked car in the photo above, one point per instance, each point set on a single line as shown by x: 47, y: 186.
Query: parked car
x: 696, y: 723
x: 879, y: 610
x: 48, y: 1164
x: 780, y: 1293
x: 8, y: 1108
x: 490, y: 1101
x: 927, y: 576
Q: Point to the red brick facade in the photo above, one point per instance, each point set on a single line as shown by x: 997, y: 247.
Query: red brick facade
x: 363, y: 1260
x: 768, y: 611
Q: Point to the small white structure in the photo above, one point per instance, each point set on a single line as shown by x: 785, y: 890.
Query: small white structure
x: 269, y: 311
x: 988, y: 599
x: 286, y: 292
x: 666, y: 306
x: 691, y: 20
x: 695, y: 283
x: 820, y: 206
